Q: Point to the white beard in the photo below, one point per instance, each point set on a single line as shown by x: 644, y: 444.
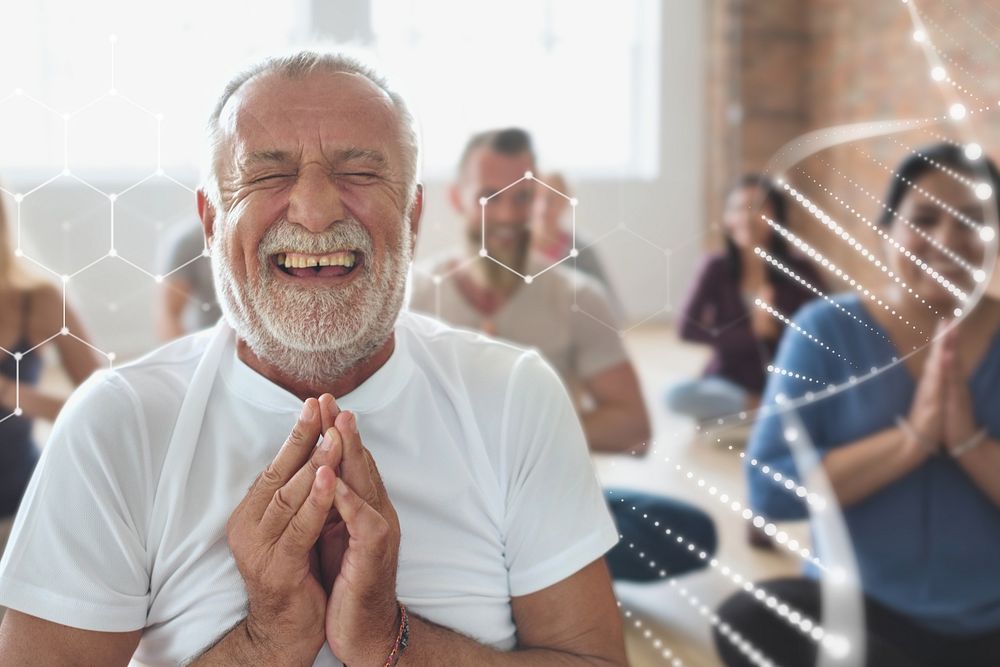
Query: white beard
x: 316, y: 335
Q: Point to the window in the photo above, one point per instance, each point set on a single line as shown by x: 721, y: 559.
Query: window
x: 167, y: 59
x: 582, y: 77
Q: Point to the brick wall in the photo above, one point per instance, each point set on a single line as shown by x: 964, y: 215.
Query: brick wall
x: 797, y: 66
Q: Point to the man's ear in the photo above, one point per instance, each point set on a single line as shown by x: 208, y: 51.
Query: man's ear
x: 206, y: 211
x: 416, y: 212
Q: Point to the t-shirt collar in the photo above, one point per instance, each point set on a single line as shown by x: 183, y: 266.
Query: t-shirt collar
x: 372, y: 394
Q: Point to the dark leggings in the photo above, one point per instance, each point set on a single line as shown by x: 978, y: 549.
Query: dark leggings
x: 892, y: 639
x: 643, y: 541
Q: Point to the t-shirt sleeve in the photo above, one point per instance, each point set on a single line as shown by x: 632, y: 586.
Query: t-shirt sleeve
x: 597, y: 346
x: 556, y: 520
x: 589, y: 263
x: 76, y: 555
x: 801, y: 367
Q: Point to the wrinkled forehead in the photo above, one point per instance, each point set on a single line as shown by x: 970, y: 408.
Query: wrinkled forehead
x: 487, y: 168
x: 328, y: 111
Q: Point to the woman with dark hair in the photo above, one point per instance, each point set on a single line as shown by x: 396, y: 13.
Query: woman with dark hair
x: 911, y: 450
x: 720, y: 309
x: 31, y: 310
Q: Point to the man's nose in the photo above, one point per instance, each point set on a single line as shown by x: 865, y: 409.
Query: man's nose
x: 505, y: 212
x: 315, y: 202
x: 951, y: 233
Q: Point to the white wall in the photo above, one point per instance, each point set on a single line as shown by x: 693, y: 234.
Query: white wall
x: 649, y: 231
x: 651, y: 259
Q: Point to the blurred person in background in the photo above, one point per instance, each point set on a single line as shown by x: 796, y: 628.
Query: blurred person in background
x: 31, y: 310
x: 584, y: 347
x: 720, y: 313
x: 912, y: 453
x: 552, y: 234
x: 186, y: 300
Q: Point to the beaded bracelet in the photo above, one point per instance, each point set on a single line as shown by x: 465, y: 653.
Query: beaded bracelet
x: 971, y: 443
x: 402, y: 637
x: 911, y: 433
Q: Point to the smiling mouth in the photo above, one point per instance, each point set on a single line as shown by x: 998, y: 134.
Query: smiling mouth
x: 329, y: 265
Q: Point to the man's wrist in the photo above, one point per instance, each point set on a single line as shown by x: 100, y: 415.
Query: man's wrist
x: 381, y: 652
x: 256, y: 643
x: 401, y: 638
x: 244, y: 644
x: 262, y: 648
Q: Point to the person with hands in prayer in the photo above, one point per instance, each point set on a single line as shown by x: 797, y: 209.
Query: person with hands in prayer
x: 908, y: 439
x: 442, y: 510
x: 317, y: 550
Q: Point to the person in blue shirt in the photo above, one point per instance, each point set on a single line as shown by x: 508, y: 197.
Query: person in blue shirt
x: 909, y: 441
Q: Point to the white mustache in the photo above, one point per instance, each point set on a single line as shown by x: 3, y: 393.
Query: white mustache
x: 284, y: 236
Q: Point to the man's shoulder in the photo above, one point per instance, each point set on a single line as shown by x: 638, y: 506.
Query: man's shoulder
x: 473, y: 361
x: 123, y: 417
x: 425, y: 278
x: 153, y: 384
x: 175, y: 360
x: 567, y: 279
x: 470, y: 353
x: 436, y: 338
x: 575, y: 290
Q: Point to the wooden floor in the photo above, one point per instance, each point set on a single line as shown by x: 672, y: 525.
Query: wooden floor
x: 664, y: 626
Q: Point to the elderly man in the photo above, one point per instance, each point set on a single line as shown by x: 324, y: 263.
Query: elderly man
x: 566, y: 315
x: 447, y: 515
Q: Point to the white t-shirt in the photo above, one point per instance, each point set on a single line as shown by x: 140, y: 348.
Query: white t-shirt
x: 123, y: 524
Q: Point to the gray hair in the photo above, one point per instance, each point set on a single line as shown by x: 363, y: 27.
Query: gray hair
x: 297, y: 65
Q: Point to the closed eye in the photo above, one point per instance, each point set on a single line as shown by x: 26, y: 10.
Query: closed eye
x: 269, y: 177
x: 360, y: 177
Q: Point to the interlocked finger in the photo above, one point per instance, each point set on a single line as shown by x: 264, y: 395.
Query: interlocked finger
x: 287, y: 500
x: 290, y: 458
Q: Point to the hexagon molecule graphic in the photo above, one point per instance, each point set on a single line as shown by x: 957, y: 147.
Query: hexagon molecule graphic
x: 484, y: 203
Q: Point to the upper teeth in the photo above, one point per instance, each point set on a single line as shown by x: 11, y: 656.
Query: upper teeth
x: 294, y: 260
